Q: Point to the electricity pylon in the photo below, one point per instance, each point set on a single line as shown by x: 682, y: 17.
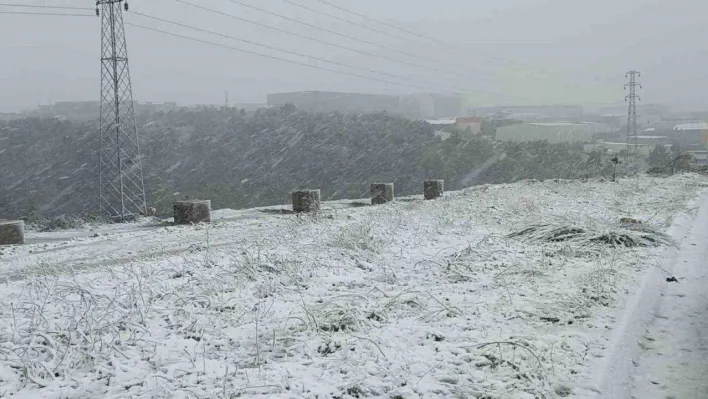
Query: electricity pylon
x: 632, y: 98
x: 121, y: 186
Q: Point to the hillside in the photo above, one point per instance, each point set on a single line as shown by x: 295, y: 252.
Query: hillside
x: 241, y: 160
x: 505, y: 291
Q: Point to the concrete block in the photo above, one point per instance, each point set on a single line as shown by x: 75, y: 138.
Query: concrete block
x: 12, y: 232
x: 306, y: 201
x: 433, y: 189
x: 192, y: 211
x: 149, y: 211
x: 381, y: 193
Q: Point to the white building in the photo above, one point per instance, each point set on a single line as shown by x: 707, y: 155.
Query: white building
x: 693, y: 133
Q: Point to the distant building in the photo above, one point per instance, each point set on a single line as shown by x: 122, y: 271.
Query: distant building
x: 90, y: 110
x: 553, y: 132
x: 416, y: 106
x: 699, y: 158
x: 428, y: 106
x: 647, y: 115
x: 692, y: 133
x: 324, y: 101
x: 469, y: 125
x: 643, y: 145
x: 656, y: 140
x: 154, y: 106
x: 77, y: 110
x: 530, y: 113
x: 10, y: 116
x: 249, y: 107
x: 615, y: 147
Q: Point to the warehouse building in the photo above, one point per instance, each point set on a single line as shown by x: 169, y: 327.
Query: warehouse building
x: 416, y: 106
x: 326, y: 101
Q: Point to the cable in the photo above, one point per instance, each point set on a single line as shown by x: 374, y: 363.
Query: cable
x: 377, y: 31
x: 305, y: 36
x: 383, y: 57
x: 274, y: 48
x: 436, y: 41
x: 431, y: 84
x: 46, y: 13
x: 259, y: 54
x: 352, y: 38
x: 52, y: 7
x: 276, y: 58
x: 431, y: 39
x: 347, y: 21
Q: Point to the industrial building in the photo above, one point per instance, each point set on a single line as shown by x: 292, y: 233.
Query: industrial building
x: 424, y: 106
x: 554, y: 132
x: 471, y: 126
x: 699, y: 158
x: 691, y: 134
x: 687, y: 135
x: 533, y: 113
x: 324, y: 101
x: 416, y: 106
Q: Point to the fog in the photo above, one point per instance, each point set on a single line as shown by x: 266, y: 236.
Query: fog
x: 499, y: 224
x: 501, y: 52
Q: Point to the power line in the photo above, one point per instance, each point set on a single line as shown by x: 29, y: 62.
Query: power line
x: 456, y: 92
x: 436, y: 87
x: 347, y: 21
x: 50, y: 7
x: 268, y: 56
x: 436, y: 41
x: 333, y: 32
x: 276, y: 58
x: 410, y: 32
x: 381, y: 32
x: 273, y: 47
x: 384, y: 32
x: 47, y: 14
x: 308, y: 37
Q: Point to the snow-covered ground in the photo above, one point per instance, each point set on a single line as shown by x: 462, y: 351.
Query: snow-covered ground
x: 412, y: 299
x: 673, y: 360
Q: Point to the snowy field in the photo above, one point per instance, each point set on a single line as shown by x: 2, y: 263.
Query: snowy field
x: 412, y: 299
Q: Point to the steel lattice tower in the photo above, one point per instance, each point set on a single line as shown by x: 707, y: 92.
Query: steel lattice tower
x: 632, y: 98
x: 121, y: 186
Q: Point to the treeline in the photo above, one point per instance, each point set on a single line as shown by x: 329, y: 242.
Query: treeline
x: 241, y: 160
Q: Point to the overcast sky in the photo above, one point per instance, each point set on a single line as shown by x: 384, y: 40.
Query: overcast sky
x: 500, y: 51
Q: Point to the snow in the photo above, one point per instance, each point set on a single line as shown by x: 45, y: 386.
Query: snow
x: 675, y: 345
x: 411, y: 299
x: 612, y: 373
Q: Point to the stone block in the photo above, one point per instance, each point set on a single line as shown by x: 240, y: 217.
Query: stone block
x: 306, y: 201
x: 192, y: 211
x: 381, y: 193
x: 433, y: 189
x: 12, y: 232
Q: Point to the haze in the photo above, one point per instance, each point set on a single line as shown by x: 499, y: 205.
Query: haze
x: 571, y: 52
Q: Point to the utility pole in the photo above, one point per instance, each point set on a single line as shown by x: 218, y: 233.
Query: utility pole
x: 226, y: 98
x: 121, y: 186
x: 632, y: 98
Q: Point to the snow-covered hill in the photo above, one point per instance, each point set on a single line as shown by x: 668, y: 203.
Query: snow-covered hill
x: 412, y: 299
x: 243, y: 161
